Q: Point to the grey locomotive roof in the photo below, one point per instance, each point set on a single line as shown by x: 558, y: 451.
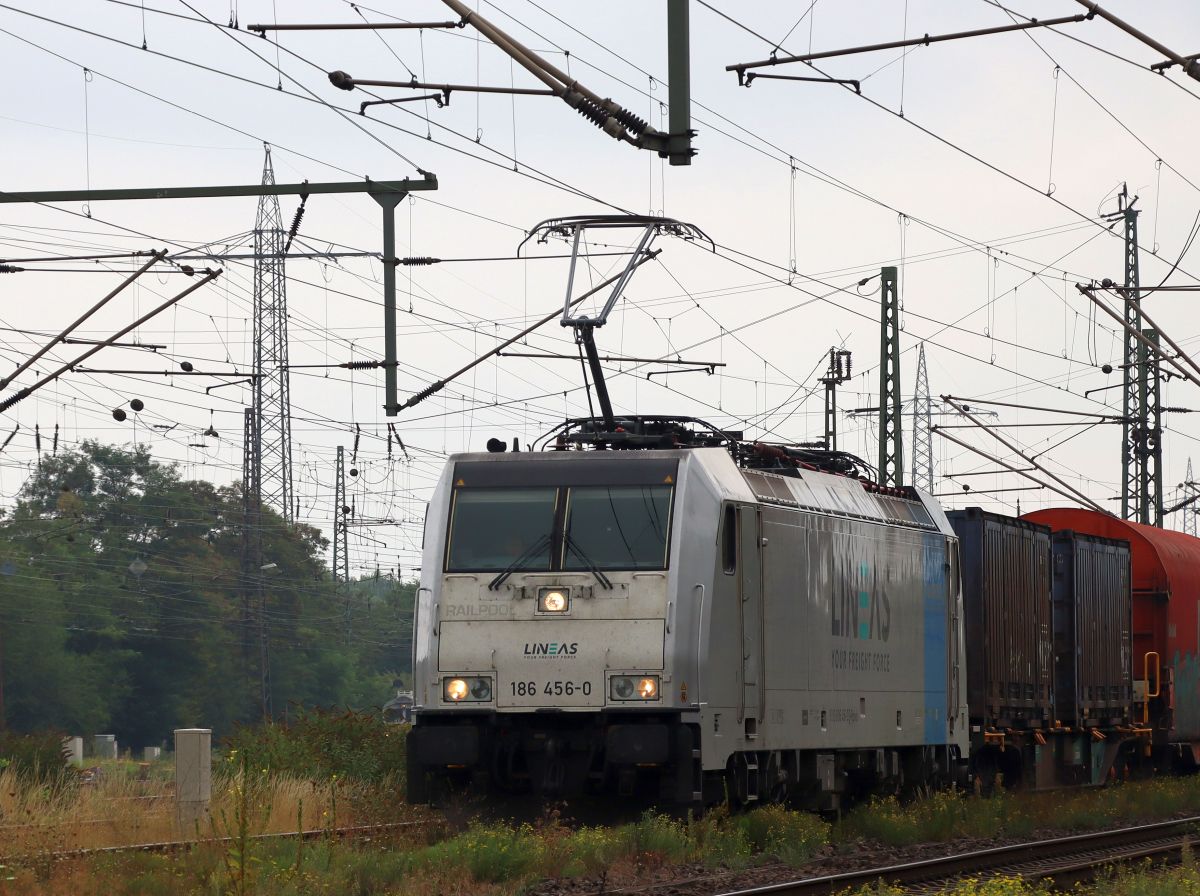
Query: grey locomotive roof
x: 809, y: 490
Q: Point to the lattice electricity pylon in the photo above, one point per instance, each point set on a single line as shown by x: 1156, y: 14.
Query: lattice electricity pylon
x: 272, y: 398
x: 1189, y: 489
x: 891, y: 429
x: 922, y: 452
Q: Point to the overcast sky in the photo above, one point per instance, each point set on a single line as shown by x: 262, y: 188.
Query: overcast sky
x: 805, y: 188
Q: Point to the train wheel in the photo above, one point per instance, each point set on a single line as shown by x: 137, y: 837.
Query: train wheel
x: 744, y: 779
x: 775, y: 779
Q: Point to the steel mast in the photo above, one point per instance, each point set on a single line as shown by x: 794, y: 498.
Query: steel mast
x: 272, y: 398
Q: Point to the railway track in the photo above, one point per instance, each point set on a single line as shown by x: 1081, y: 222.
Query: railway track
x: 349, y: 833
x: 1062, y: 861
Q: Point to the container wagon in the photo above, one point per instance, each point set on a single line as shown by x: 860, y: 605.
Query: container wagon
x: 1165, y: 662
x: 1048, y: 616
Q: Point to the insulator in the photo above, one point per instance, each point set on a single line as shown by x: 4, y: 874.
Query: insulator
x: 54, y: 450
x: 37, y: 438
x: 592, y: 113
x: 415, y: 260
x: 631, y: 121
x: 360, y: 365
x: 296, y: 219
x: 14, y: 398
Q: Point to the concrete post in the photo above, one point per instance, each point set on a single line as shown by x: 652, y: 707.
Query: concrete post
x: 193, y: 777
x: 106, y: 746
x: 73, y: 751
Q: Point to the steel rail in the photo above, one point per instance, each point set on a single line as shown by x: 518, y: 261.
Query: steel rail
x: 1062, y: 858
x: 173, y: 845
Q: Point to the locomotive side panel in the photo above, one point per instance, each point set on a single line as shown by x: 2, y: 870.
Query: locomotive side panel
x: 856, y: 622
x: 873, y: 617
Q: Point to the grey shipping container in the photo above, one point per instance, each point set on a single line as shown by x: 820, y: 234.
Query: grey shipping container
x: 1007, y: 616
x: 1092, y: 623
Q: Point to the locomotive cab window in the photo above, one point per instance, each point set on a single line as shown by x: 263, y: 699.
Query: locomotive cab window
x: 617, y: 527
x: 493, y: 528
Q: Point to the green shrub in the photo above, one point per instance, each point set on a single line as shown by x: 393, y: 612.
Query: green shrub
x: 941, y: 816
x: 39, y: 757
x: 319, y: 745
x: 491, y: 853
x: 592, y: 850
x: 655, y: 839
x: 793, y: 837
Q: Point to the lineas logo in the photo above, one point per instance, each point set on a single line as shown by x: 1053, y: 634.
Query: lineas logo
x: 861, y: 611
x: 551, y: 648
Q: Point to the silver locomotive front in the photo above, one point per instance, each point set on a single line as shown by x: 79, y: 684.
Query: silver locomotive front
x: 547, y: 657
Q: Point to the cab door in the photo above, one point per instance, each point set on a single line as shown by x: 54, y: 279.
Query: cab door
x: 750, y: 614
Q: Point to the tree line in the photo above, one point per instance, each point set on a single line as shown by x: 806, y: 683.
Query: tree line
x: 127, y: 606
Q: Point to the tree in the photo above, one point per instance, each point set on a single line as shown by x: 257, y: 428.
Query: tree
x: 123, y: 605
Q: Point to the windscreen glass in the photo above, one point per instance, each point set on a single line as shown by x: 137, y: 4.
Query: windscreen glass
x: 493, y: 528
x: 617, y: 527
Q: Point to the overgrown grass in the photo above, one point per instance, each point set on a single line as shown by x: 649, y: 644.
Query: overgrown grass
x: 947, y: 815
x: 37, y: 819
x: 119, y: 809
x: 319, y: 745
x: 483, y: 859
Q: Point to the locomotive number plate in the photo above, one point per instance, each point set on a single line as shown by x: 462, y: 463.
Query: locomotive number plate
x: 557, y: 688
x: 533, y: 688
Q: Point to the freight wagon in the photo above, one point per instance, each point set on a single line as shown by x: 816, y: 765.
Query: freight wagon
x: 1164, y: 660
x: 1048, y: 614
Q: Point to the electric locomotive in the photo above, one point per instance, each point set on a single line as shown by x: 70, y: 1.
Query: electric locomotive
x: 697, y: 619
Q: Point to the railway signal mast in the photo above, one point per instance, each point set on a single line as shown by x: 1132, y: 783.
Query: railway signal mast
x: 838, y: 373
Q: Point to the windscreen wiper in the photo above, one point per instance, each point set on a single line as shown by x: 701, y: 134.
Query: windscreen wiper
x: 573, y: 546
x: 526, y: 556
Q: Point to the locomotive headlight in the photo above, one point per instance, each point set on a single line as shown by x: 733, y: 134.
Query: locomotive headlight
x: 481, y: 689
x: 468, y: 690
x: 553, y: 600
x: 629, y: 687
